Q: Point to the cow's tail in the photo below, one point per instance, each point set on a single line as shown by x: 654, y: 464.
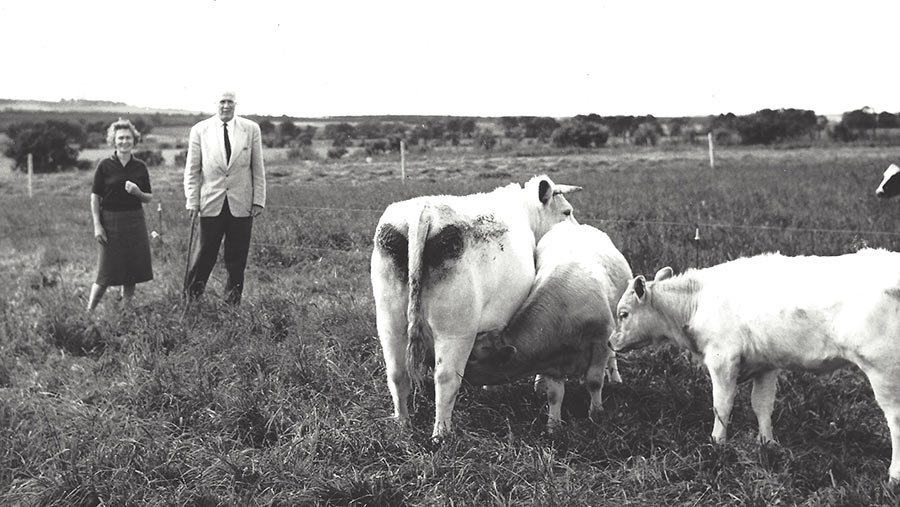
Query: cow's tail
x: 418, y: 330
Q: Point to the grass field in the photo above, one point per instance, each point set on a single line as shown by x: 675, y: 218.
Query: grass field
x: 283, y: 401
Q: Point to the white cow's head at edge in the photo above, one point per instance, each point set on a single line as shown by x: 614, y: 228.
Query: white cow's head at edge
x: 890, y: 183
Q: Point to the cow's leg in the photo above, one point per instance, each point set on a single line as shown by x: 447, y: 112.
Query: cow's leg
x: 887, y: 394
x: 723, y: 369
x: 555, y: 388
x: 390, y: 316
x: 612, y: 368
x: 393, y: 345
x: 450, y: 355
x: 595, y: 376
x: 762, y: 399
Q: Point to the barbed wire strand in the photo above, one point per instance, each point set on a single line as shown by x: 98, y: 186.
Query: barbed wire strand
x: 591, y: 219
x: 597, y: 220
x: 588, y: 219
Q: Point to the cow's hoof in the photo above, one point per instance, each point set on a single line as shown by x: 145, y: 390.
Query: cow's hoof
x: 596, y: 415
x: 439, y: 440
x: 554, y: 428
x: 766, y: 441
x: 717, y: 439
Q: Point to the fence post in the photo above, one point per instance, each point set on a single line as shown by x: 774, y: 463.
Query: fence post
x: 403, y: 160
x: 697, y: 247
x: 30, y: 173
x: 712, y: 159
x: 159, y: 212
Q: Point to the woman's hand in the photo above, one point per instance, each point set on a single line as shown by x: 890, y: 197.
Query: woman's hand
x: 100, y: 234
x: 132, y: 188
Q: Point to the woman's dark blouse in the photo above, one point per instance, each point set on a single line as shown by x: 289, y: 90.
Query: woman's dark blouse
x: 109, y: 183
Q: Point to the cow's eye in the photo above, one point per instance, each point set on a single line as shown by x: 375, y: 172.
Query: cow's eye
x: 623, y: 315
x: 568, y: 212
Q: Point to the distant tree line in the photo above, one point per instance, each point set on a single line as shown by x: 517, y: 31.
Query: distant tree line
x: 864, y: 124
x: 55, y: 144
x: 286, y: 134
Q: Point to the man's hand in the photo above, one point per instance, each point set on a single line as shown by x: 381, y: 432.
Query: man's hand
x: 194, y: 211
x: 100, y: 234
x: 256, y: 210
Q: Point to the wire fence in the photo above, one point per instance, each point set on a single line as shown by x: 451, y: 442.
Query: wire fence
x: 592, y: 220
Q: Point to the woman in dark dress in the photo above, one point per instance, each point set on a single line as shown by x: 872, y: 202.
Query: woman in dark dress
x: 121, y: 187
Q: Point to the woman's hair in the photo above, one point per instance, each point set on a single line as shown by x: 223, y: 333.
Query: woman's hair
x: 121, y: 124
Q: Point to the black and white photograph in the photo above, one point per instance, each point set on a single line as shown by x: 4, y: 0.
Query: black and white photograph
x: 472, y: 253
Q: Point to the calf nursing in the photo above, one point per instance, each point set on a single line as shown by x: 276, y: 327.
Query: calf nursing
x: 446, y: 267
x: 563, y: 327
x: 750, y: 317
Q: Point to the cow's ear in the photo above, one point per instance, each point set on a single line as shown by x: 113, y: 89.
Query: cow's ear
x: 639, y: 289
x: 545, y: 191
x: 663, y: 274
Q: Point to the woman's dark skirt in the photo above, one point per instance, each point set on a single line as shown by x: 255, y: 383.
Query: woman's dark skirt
x: 125, y: 258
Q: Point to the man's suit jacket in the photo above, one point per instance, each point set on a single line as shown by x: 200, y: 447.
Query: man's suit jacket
x: 208, y: 180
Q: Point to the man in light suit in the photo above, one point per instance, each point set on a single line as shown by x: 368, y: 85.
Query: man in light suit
x: 225, y: 183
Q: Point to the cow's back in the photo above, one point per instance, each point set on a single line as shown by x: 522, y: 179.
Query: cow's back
x: 571, y: 251
x: 801, y: 280
x: 478, y: 262
x: 806, y: 306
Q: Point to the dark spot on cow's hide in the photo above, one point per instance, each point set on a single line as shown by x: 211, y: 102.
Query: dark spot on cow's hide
x: 487, y: 228
x: 894, y: 293
x: 395, y: 245
x: 444, y: 246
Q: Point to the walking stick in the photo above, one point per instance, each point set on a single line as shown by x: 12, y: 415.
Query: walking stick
x: 187, y: 262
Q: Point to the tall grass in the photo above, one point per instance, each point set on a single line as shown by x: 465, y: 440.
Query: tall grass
x: 283, y: 400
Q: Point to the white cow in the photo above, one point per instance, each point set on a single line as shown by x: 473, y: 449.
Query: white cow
x: 445, y: 268
x: 564, y: 326
x: 750, y: 317
x: 890, y: 183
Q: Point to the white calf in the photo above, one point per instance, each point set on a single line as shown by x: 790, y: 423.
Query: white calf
x: 563, y: 327
x: 750, y: 317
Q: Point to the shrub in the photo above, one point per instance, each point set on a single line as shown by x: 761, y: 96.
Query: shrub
x: 47, y: 142
x: 302, y: 153
x: 581, y: 133
x: 646, y: 134
x: 768, y: 126
x: 152, y: 158
x: 376, y: 147
x: 842, y: 133
x: 485, y: 139
x: 336, y: 152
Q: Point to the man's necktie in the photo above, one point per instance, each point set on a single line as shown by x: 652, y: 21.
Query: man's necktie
x: 227, y: 145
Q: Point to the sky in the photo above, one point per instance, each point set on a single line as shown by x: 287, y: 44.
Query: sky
x: 464, y: 58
